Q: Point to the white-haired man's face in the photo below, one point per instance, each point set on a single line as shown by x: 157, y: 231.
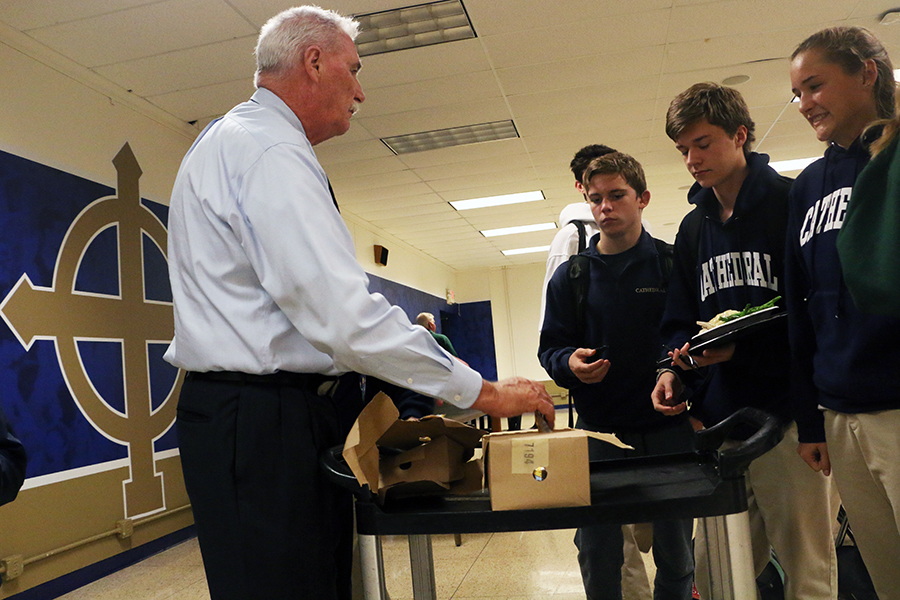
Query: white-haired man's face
x: 340, y: 92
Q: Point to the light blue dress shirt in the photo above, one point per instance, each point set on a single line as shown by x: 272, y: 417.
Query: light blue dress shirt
x: 263, y: 271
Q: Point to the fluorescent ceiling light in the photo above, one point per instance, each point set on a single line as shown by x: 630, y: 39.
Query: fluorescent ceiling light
x: 792, y: 165
x: 497, y: 200
x: 519, y: 229
x: 531, y: 250
x: 454, y: 136
x: 412, y: 27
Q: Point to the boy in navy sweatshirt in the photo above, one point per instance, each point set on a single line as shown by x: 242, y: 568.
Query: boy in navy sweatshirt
x: 604, y: 350
x: 729, y: 253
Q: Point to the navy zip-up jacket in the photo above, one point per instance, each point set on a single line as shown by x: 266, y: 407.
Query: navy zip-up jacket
x: 12, y: 463
x: 732, y: 264
x: 622, y: 314
x: 845, y: 360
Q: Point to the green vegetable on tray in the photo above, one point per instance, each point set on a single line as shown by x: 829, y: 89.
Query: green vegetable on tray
x: 750, y: 310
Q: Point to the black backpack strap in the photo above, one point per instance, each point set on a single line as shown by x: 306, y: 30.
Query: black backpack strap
x: 579, y: 274
x: 578, y: 271
x: 582, y: 235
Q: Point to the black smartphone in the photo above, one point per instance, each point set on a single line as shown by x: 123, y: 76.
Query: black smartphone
x: 597, y: 355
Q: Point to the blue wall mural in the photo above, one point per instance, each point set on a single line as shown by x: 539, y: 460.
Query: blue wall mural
x: 40, y: 210
x: 38, y: 206
x: 471, y: 328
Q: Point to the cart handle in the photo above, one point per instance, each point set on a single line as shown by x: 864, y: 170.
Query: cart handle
x: 734, y: 461
x: 339, y: 473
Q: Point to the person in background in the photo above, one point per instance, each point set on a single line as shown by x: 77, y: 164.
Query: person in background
x: 729, y: 253
x: 847, y: 383
x: 565, y: 242
x: 426, y: 320
x: 605, y: 352
x: 13, y: 461
x: 271, y: 307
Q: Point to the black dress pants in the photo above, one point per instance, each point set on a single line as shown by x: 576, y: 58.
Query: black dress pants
x: 270, y: 525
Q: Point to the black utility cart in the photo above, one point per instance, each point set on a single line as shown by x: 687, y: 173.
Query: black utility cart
x: 706, y: 484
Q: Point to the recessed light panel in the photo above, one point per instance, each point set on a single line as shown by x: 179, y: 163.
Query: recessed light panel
x: 455, y: 136
x: 412, y: 27
x: 518, y: 229
x: 532, y: 250
x: 497, y: 200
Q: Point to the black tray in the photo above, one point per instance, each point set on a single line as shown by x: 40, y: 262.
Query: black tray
x: 736, y: 329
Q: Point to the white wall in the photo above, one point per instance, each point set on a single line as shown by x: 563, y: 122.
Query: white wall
x: 48, y: 117
x: 473, y: 286
x: 405, y: 264
x: 516, y: 306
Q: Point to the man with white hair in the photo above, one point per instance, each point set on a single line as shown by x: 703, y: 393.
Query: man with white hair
x: 271, y: 308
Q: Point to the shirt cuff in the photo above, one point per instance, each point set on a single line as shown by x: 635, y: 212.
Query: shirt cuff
x: 464, y: 386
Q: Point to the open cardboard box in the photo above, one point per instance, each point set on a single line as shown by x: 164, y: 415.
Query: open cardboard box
x: 525, y: 469
x: 528, y: 469
x: 431, y: 455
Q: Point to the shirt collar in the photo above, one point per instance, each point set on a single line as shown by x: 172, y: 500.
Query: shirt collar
x: 270, y: 99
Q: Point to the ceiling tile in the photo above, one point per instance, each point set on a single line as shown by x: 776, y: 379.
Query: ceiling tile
x: 564, y: 73
x: 477, y: 167
x: 416, y: 222
x: 431, y: 93
x: 196, y: 103
x: 419, y: 209
x: 422, y: 64
x: 379, y: 180
x: 585, y: 100
x: 366, y: 168
x: 492, y: 17
x: 458, y: 154
x: 144, y: 31
x: 731, y: 50
x: 430, y: 119
x: 230, y: 60
x: 399, y: 205
x: 31, y: 14
x: 519, y: 176
x: 340, y: 150
x: 352, y: 194
x: 619, y: 33
x: 736, y: 18
x: 630, y: 117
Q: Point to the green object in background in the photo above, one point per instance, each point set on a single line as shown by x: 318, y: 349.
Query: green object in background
x: 869, y: 240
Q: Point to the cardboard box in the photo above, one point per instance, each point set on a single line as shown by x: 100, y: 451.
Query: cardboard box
x: 393, y: 457
x: 528, y: 469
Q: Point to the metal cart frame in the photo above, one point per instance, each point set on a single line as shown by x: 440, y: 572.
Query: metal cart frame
x: 706, y: 484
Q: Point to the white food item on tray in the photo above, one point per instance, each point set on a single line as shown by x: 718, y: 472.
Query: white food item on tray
x: 717, y: 320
